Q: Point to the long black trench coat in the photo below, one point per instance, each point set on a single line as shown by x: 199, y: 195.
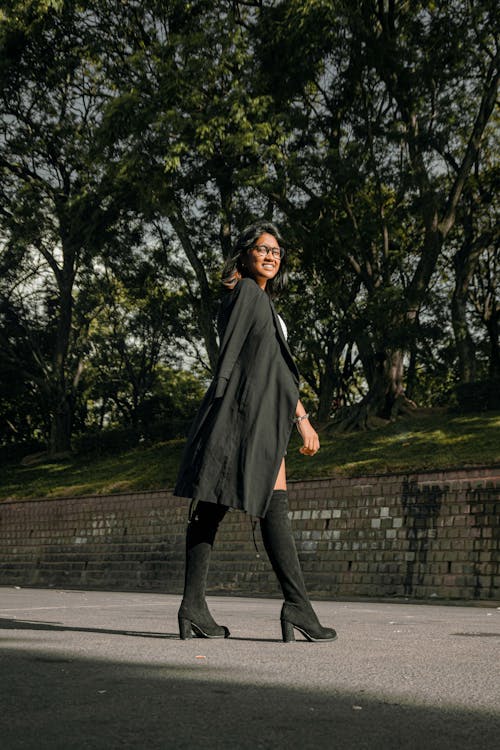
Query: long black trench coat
x: 241, y: 432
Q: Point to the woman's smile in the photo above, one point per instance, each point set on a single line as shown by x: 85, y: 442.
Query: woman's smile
x: 263, y: 267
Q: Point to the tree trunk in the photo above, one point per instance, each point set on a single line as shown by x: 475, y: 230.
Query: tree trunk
x: 62, y: 405
x: 329, y: 379
x: 326, y: 393
x: 206, y: 303
x: 385, y: 399
x: 493, y: 328
x: 466, y: 350
x: 465, y: 262
x: 60, y: 427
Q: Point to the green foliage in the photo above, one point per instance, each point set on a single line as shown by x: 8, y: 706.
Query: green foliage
x: 382, y: 123
x: 139, y: 137
x: 56, y: 209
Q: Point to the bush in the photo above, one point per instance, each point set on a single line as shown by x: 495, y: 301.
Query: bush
x: 13, y: 452
x: 106, y: 441
x: 483, y: 395
x: 168, y: 429
x: 118, y: 439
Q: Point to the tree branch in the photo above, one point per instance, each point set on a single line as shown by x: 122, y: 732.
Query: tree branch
x: 486, y: 108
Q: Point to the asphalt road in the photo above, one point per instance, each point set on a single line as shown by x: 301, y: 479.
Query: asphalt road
x: 107, y: 670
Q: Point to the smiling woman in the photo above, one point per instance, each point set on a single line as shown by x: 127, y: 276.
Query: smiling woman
x: 234, y: 457
x: 258, y: 254
x: 264, y: 259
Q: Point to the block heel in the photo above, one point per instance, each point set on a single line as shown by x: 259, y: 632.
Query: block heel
x: 185, y: 628
x: 287, y: 631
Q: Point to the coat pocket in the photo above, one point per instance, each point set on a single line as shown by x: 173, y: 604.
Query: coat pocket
x: 244, y: 393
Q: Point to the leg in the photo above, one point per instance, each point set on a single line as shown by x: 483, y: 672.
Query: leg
x: 194, y: 613
x: 280, y: 546
x: 280, y: 483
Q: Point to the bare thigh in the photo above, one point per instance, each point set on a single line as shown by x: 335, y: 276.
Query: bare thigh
x: 281, y: 479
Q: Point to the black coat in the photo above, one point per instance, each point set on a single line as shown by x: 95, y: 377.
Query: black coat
x: 241, y: 432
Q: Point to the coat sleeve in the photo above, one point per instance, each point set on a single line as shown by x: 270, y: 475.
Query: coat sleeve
x: 245, y: 300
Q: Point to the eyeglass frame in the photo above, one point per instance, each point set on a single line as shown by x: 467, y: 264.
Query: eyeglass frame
x: 272, y: 250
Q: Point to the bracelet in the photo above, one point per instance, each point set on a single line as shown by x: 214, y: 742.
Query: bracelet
x: 299, y: 419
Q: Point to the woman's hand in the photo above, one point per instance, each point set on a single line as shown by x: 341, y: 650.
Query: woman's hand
x: 309, y: 437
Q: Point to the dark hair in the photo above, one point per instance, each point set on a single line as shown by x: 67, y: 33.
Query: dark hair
x: 234, y: 269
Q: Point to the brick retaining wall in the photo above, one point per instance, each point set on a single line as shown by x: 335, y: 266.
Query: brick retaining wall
x: 419, y: 535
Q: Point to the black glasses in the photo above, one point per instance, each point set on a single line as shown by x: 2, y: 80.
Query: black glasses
x: 263, y: 250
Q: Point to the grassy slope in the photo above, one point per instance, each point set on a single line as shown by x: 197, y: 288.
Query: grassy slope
x: 433, y: 441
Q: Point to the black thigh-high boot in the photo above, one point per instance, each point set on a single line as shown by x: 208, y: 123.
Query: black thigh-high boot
x: 194, y: 615
x: 297, y: 611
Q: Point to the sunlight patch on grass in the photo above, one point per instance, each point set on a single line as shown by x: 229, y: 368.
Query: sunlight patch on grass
x: 431, y: 441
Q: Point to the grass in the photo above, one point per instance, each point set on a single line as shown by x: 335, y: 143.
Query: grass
x: 141, y: 468
x: 436, y: 440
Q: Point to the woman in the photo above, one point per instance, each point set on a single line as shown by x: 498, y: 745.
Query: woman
x: 234, y: 457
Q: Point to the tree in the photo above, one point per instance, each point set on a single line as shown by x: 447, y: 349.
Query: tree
x: 386, y: 117
x: 56, y: 207
x: 133, y: 339
x: 185, y: 113
x: 25, y: 419
x: 475, y: 295
x: 136, y: 140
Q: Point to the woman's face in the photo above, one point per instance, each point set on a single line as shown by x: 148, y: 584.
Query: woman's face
x: 261, y: 264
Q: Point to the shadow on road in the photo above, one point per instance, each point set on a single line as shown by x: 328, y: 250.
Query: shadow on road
x: 64, y: 701
x: 11, y: 624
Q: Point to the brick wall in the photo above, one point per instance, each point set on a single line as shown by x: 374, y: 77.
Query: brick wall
x: 420, y: 535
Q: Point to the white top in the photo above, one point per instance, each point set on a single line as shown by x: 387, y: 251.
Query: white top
x: 283, y: 326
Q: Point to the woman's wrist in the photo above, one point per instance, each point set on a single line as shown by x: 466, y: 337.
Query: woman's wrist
x: 297, y: 419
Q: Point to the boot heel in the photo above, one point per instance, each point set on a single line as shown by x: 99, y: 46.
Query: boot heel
x: 287, y: 631
x: 185, y: 630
